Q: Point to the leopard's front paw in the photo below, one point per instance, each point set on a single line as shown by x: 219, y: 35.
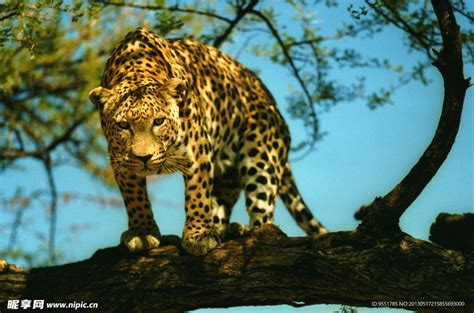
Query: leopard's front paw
x: 201, y: 243
x: 137, y: 239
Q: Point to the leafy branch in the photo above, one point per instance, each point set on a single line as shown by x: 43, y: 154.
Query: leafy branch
x: 174, y: 8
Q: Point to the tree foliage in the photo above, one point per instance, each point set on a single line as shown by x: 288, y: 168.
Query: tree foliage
x: 53, y: 53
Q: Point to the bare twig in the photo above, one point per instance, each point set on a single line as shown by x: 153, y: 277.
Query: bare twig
x: 22, y: 203
x: 52, y: 208
x: 243, y: 47
x: 294, y: 69
x: 160, y: 8
x: 241, y: 12
x: 306, y: 41
x: 400, y: 23
x: 14, y: 154
x: 468, y: 15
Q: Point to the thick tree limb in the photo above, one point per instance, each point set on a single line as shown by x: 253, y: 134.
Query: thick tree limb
x: 265, y: 268
x: 454, y: 231
x: 382, y: 215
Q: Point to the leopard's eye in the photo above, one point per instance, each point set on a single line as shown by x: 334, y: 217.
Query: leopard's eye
x: 124, y: 125
x: 158, y: 121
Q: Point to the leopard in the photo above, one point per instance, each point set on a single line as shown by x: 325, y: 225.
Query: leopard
x: 179, y: 105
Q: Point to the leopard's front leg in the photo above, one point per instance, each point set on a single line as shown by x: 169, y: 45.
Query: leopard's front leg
x: 142, y: 233
x: 199, y: 234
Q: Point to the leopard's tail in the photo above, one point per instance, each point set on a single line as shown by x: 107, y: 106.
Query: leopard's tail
x: 294, y: 203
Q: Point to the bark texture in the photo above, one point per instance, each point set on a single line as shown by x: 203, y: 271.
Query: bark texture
x: 265, y: 267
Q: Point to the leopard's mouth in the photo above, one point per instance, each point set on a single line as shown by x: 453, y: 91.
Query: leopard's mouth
x: 147, y: 172
x: 162, y: 166
x: 143, y: 170
x: 150, y: 169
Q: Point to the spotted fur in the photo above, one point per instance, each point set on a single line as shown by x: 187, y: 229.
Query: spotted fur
x: 179, y: 105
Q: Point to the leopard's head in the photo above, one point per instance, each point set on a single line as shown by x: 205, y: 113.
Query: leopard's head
x: 142, y: 126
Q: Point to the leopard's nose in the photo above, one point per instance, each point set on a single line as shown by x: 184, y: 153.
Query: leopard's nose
x: 144, y: 158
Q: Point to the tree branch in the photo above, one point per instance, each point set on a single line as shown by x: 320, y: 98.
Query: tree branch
x: 241, y: 12
x: 9, y: 15
x: 171, y: 8
x: 400, y: 23
x: 383, y: 214
x: 265, y: 268
x: 53, y: 204
x: 14, y: 154
x: 296, y: 72
x: 13, y: 11
x: 468, y: 15
x: 454, y: 231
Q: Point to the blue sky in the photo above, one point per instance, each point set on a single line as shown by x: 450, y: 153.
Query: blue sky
x: 364, y: 154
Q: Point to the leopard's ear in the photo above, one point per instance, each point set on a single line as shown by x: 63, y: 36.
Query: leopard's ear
x: 102, y: 98
x: 175, y: 87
